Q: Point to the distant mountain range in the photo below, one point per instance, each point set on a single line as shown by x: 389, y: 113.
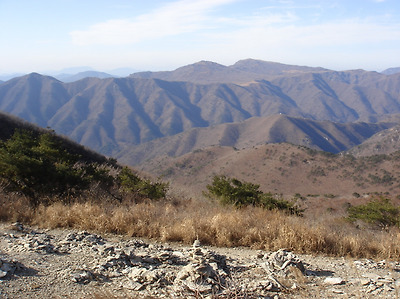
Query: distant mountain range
x: 76, y: 73
x: 5, y: 77
x: 82, y: 75
x: 243, y: 71
x: 248, y: 103
x: 71, y: 76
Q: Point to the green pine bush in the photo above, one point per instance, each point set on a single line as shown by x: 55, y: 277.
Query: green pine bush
x: 40, y: 167
x: 378, y: 211
x: 231, y: 191
x: 131, y: 182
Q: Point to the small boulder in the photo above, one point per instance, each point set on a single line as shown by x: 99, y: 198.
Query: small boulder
x: 334, y: 280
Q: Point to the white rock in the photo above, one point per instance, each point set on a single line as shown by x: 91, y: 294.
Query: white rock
x: 385, y: 280
x: 336, y: 291
x: 372, y: 276
x: 133, y: 285
x: 2, y: 273
x: 178, y: 254
x: 365, y: 281
x: 334, y: 280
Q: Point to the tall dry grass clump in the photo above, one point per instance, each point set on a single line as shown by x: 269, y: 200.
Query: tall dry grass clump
x: 186, y: 220
x: 15, y: 208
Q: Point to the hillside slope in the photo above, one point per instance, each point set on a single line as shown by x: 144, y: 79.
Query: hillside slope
x: 383, y: 142
x: 326, y: 136
x: 9, y: 124
x: 281, y: 168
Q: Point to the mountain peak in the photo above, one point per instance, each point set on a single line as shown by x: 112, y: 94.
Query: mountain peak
x: 208, y: 63
x: 35, y: 77
x: 204, y: 64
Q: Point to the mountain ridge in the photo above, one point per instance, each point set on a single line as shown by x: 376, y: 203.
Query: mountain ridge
x: 112, y: 113
x: 318, y: 135
x: 243, y: 71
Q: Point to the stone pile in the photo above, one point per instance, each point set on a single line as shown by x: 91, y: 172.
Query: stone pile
x: 150, y: 268
x: 32, y: 241
x: 205, y: 273
x: 283, y: 265
x: 157, y: 270
x: 80, y: 241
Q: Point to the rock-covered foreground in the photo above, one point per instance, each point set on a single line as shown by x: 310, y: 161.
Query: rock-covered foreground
x: 60, y: 263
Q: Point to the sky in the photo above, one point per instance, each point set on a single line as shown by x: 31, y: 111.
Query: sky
x: 51, y: 35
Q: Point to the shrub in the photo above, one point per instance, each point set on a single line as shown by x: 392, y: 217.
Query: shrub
x: 231, y: 191
x: 379, y: 211
x: 38, y: 166
x: 317, y: 171
x: 132, y: 183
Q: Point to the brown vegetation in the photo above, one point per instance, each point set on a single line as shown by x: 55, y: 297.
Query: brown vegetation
x: 186, y: 220
x: 283, y: 168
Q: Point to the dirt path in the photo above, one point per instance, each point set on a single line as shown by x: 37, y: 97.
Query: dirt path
x: 38, y: 263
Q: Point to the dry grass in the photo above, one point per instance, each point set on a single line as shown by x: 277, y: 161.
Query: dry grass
x: 186, y: 220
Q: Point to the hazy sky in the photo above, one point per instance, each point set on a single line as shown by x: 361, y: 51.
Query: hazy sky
x: 40, y: 35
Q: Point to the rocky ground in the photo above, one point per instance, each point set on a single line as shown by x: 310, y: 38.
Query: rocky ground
x: 38, y: 263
